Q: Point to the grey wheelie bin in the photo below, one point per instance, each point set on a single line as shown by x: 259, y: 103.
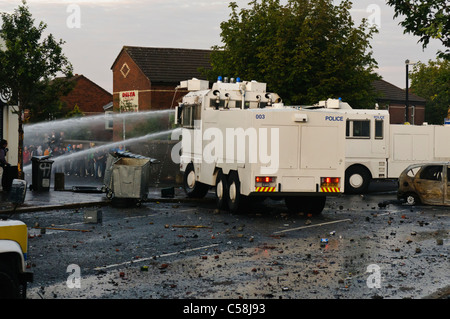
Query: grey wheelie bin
x: 130, y: 179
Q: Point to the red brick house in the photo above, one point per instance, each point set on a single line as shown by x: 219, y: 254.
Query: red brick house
x: 147, y: 76
x: 91, y: 99
x: 394, y: 99
x: 87, y: 95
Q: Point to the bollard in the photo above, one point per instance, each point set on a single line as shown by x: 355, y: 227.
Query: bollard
x: 59, y: 182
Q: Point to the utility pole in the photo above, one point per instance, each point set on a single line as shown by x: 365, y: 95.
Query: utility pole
x: 407, y: 63
x: 407, y: 96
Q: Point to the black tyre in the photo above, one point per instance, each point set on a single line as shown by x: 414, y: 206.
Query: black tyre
x: 357, y: 180
x: 221, y: 190
x: 316, y: 204
x: 295, y: 204
x: 234, y: 192
x: 192, y: 187
x: 305, y: 204
x: 9, y: 284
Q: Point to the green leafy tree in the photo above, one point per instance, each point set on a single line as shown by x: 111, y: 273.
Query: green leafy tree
x: 76, y: 112
x: 432, y: 82
x: 27, y: 60
x: 306, y: 51
x: 47, y: 104
x: 428, y: 19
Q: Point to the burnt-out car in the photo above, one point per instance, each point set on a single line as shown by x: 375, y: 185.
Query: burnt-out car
x: 425, y: 184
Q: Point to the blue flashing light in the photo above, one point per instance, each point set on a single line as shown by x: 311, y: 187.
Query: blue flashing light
x: 219, y: 79
x: 238, y: 80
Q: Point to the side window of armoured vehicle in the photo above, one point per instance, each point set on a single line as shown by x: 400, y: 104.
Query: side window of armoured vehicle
x: 190, y: 114
x: 379, y: 129
x: 358, y: 129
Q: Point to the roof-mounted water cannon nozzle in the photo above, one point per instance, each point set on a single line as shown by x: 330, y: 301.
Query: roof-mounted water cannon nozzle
x: 242, y: 89
x: 258, y: 99
x: 227, y: 99
x: 269, y: 97
x: 217, y: 94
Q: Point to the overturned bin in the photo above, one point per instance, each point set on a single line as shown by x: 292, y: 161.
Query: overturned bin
x: 130, y: 179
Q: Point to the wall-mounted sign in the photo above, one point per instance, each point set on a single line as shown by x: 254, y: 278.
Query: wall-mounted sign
x: 129, y: 101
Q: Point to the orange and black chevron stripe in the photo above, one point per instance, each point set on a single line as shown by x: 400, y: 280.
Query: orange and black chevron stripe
x: 265, y: 189
x: 330, y: 189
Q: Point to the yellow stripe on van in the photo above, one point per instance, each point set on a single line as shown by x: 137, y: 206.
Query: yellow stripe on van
x: 17, y: 233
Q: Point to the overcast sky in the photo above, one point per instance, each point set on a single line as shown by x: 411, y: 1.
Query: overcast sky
x: 96, y: 30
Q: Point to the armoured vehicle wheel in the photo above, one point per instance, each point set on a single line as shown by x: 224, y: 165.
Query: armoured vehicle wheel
x: 221, y: 190
x: 234, y: 192
x: 193, y: 188
x: 357, y: 180
x: 305, y: 204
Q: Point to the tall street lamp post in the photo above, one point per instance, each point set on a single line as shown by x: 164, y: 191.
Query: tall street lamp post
x: 407, y: 63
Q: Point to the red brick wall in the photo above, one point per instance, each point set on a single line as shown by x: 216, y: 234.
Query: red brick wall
x: 152, y: 96
x: 162, y: 96
x: 397, y: 114
x: 89, y: 97
x: 135, y: 80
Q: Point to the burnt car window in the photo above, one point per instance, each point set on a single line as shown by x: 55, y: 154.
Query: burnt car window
x: 413, y: 171
x: 432, y: 173
x: 448, y: 173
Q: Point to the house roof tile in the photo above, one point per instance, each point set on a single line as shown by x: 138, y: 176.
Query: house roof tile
x: 392, y: 93
x: 171, y: 65
x: 168, y: 64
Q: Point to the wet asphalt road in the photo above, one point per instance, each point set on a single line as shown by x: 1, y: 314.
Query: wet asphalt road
x: 165, y: 250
